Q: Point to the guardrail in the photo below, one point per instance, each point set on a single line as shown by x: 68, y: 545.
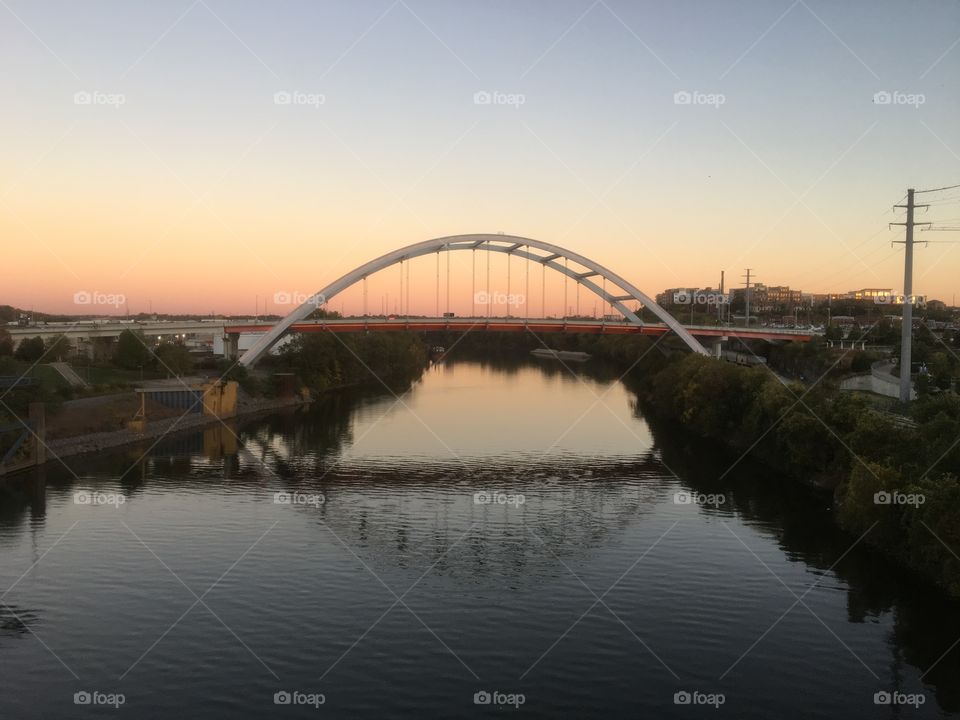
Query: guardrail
x: 10, y: 381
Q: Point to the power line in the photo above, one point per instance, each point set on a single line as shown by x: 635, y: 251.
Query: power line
x: 947, y: 187
x: 944, y: 200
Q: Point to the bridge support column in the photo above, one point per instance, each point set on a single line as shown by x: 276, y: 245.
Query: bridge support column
x: 231, y: 346
x: 716, y: 346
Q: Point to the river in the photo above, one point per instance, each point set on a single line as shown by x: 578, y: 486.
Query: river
x: 505, y: 538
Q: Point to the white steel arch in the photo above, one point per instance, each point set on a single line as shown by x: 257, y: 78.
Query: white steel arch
x: 509, y: 244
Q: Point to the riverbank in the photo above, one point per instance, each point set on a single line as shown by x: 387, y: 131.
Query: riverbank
x: 322, y: 364
x: 895, y: 484
x: 97, y: 442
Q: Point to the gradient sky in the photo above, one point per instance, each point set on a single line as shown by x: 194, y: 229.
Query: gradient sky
x: 200, y: 194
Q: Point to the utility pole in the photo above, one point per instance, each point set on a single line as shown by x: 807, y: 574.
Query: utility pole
x: 720, y: 301
x: 906, y: 324
x: 747, y: 297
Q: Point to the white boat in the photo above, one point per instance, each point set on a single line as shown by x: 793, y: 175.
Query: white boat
x: 570, y: 355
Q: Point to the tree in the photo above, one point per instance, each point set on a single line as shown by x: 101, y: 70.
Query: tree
x: 941, y: 370
x: 833, y: 334
x: 57, y: 348
x: 6, y: 343
x: 30, y: 349
x: 933, y: 529
x: 865, y: 502
x: 132, y: 351
x: 174, y: 358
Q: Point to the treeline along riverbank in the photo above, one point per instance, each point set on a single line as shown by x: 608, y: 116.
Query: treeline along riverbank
x: 895, y: 482
x: 324, y: 361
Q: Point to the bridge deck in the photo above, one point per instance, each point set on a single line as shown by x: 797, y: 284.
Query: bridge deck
x: 520, y: 325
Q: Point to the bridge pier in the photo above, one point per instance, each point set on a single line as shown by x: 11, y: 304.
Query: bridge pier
x: 854, y: 343
x: 716, y: 346
x: 231, y: 346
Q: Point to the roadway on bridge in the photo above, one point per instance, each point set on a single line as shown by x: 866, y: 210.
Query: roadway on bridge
x: 543, y: 325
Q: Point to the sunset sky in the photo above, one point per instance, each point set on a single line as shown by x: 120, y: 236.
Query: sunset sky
x: 148, y: 154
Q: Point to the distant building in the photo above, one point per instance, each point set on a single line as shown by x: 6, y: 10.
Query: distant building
x: 666, y: 298
x: 701, y: 297
x: 820, y: 298
x: 783, y: 296
x: 759, y: 301
x: 869, y: 293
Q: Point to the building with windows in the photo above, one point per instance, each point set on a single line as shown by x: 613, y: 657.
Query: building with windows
x: 869, y: 293
x: 666, y: 298
x: 781, y: 296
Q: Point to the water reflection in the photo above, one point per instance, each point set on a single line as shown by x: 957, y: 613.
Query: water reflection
x: 398, y: 478
x: 925, y: 621
x: 15, y: 620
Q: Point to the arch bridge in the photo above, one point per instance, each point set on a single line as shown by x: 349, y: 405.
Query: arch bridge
x: 601, y: 281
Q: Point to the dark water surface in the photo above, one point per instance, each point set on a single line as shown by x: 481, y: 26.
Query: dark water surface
x: 377, y: 579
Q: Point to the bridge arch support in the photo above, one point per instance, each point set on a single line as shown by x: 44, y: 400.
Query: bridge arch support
x: 547, y: 254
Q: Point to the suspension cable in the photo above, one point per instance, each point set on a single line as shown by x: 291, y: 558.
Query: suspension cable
x: 526, y: 289
x: 488, y: 283
x: 509, y: 257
